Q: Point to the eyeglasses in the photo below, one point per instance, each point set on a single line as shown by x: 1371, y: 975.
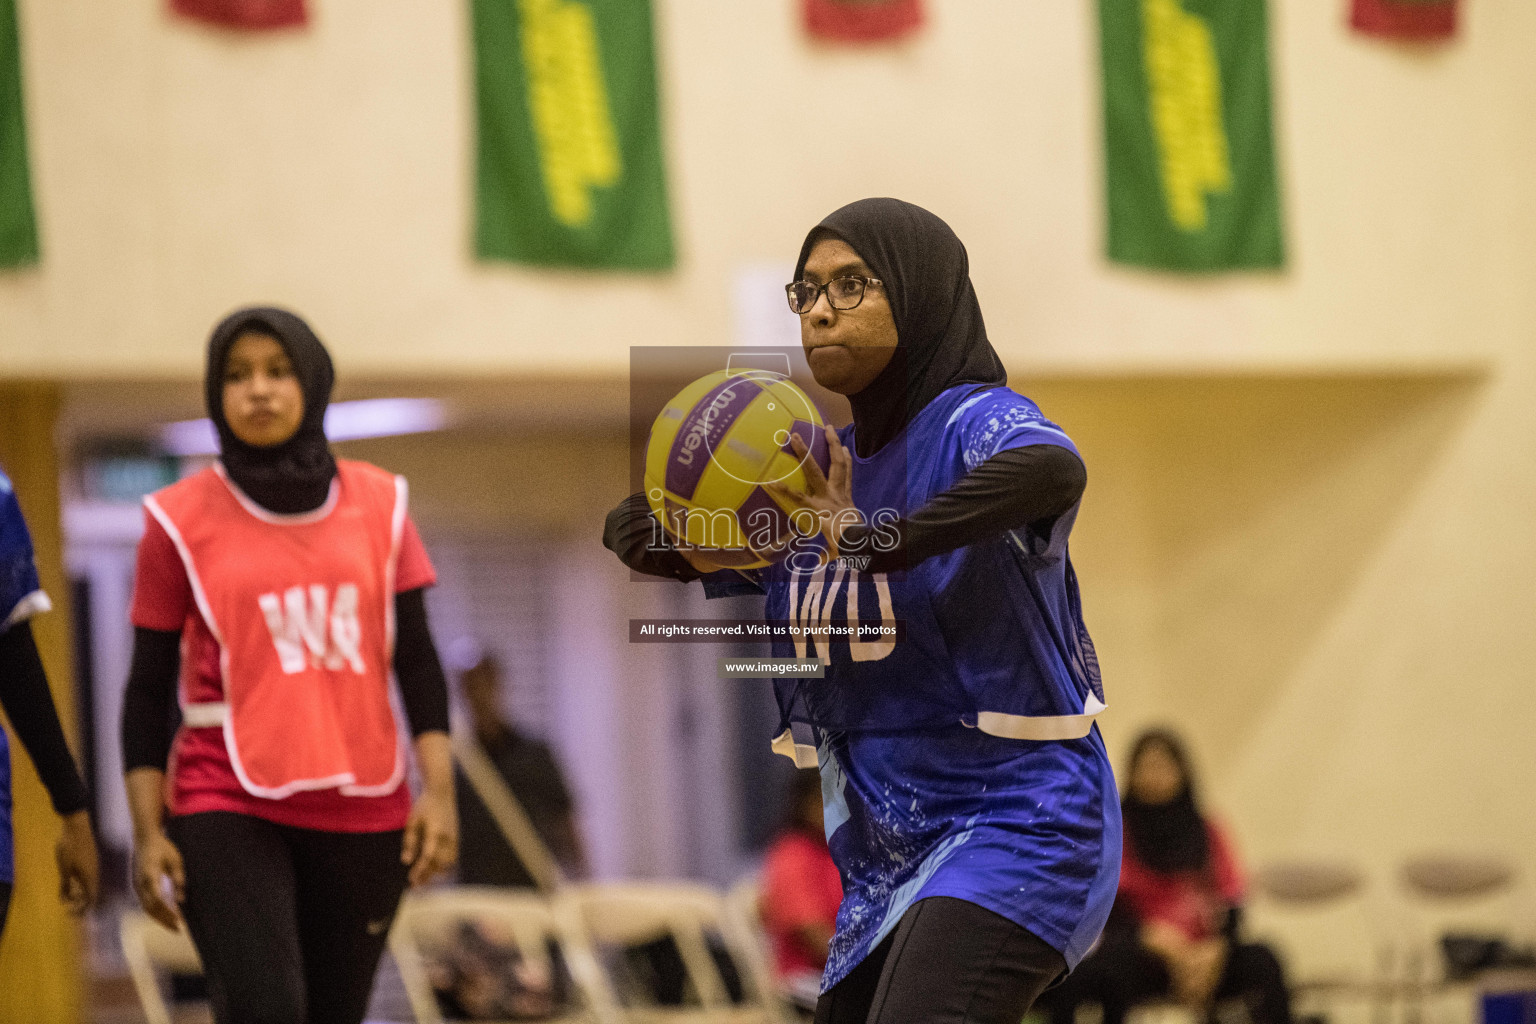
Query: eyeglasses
x: 842, y: 292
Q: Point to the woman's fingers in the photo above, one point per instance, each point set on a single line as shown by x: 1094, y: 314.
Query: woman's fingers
x: 156, y: 866
x: 841, y: 463
x: 72, y: 892
x: 77, y: 890
x: 788, y: 498
x: 79, y: 866
x: 431, y: 838
x: 153, y: 901
x: 160, y: 911
x: 437, y: 855
x: 815, y: 479
x: 412, y: 845
x: 427, y: 864
x: 795, y: 502
x: 419, y: 870
x: 173, y: 871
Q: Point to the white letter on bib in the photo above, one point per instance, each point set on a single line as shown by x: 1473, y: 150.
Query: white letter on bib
x: 346, y: 631
x: 285, y: 633
x: 309, y: 629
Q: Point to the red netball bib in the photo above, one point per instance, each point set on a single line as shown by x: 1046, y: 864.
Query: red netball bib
x: 302, y: 607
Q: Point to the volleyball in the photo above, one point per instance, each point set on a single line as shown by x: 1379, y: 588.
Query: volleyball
x: 711, y: 450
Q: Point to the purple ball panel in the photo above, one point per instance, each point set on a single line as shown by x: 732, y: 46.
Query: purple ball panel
x: 701, y: 430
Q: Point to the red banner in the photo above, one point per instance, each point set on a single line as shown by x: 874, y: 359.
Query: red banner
x: 1405, y: 19
x: 862, y: 21
x: 244, y: 13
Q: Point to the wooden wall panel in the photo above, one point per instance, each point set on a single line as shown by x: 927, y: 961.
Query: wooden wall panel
x: 40, y: 955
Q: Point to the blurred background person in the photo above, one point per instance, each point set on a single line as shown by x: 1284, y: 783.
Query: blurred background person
x: 1175, y: 928
x: 530, y: 770
x: 801, y: 891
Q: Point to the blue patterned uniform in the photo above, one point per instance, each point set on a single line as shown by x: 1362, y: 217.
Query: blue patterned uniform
x: 20, y: 598
x: 926, y: 792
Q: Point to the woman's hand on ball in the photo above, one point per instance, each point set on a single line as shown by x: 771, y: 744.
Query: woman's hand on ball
x: 828, y: 495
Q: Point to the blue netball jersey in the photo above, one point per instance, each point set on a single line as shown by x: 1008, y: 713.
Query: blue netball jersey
x: 929, y: 786
x: 20, y: 597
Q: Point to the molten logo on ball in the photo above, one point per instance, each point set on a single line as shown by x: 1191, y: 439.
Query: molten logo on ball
x: 700, y: 429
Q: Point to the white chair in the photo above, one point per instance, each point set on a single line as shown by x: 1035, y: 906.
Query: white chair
x: 627, y: 914
x: 1474, y: 894
x: 148, y: 945
x: 428, y: 920
x: 743, y: 901
x: 1333, y: 938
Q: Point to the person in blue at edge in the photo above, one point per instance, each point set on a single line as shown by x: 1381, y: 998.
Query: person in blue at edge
x: 28, y: 703
x: 970, y: 804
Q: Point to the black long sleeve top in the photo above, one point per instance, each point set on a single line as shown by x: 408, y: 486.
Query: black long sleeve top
x: 1028, y: 487
x: 29, y: 705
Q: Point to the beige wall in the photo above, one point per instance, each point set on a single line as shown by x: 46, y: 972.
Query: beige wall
x: 1326, y: 582
x: 181, y: 171
x: 1316, y: 556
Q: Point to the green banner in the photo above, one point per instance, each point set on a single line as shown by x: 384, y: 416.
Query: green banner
x: 1189, y: 150
x: 18, y: 225
x: 570, y: 161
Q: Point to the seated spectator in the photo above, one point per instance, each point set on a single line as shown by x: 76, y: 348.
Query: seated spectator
x: 481, y: 975
x: 476, y: 971
x: 801, y: 891
x: 1173, y: 933
x: 533, y: 775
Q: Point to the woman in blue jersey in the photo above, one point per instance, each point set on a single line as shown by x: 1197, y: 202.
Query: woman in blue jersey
x: 28, y: 703
x: 969, y: 802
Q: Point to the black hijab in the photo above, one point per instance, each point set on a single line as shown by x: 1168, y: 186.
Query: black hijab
x: 294, y: 476
x: 1169, y: 838
x: 941, y: 340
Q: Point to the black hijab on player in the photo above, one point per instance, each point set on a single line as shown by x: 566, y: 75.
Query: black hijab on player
x: 941, y: 339
x: 1169, y: 837
x: 294, y: 476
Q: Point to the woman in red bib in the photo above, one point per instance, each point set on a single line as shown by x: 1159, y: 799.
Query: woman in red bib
x: 275, y: 594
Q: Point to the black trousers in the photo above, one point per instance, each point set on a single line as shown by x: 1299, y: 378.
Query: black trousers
x: 1122, y: 972
x: 289, y: 922
x: 5, y: 904
x: 947, y: 960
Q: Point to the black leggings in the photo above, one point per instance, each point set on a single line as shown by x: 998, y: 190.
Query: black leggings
x: 947, y: 960
x: 289, y: 922
x: 1123, y: 972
